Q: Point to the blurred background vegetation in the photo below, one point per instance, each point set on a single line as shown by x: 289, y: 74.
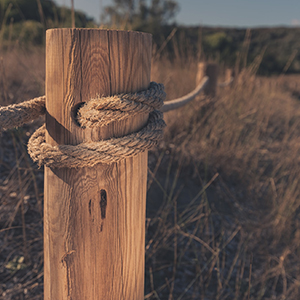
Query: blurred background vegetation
x: 25, y: 21
x: 223, y: 200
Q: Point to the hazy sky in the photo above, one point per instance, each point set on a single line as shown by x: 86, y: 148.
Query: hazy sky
x: 242, y: 13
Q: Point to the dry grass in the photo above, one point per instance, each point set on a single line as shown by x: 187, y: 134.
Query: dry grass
x: 247, y: 140
x: 21, y: 183
x: 223, y: 198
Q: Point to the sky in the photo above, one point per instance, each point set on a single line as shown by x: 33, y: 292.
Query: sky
x: 229, y: 13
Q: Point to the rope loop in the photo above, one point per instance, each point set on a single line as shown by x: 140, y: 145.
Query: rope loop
x: 89, y: 154
x: 99, y: 111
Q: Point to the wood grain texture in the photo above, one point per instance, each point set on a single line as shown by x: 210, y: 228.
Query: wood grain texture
x: 94, y: 218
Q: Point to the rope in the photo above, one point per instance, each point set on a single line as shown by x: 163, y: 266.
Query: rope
x: 226, y: 83
x: 96, y: 112
x: 176, y: 103
x: 101, y: 111
x: 91, y: 153
x: 18, y: 114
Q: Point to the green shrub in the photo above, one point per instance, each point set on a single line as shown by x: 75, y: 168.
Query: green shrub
x: 25, y: 33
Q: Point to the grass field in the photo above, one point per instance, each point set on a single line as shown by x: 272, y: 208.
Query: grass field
x: 223, y: 217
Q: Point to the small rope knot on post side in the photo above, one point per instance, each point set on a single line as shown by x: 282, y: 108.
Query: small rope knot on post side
x: 97, y: 112
x: 101, y: 111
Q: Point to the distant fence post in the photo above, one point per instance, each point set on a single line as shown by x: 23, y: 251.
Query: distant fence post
x: 211, y: 70
x: 229, y: 75
x: 94, y: 218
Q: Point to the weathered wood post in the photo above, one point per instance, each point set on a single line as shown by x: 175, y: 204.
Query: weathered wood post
x: 94, y: 218
x: 229, y: 75
x: 211, y: 70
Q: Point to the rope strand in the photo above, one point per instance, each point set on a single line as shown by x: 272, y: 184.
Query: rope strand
x: 18, y: 114
x: 89, y: 154
x: 101, y: 111
x: 97, y: 112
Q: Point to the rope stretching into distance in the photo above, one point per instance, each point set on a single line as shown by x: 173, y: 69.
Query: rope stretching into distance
x: 97, y: 112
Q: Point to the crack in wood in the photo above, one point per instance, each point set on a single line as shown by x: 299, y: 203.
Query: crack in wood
x: 66, y: 260
x: 90, y: 206
x: 103, y: 203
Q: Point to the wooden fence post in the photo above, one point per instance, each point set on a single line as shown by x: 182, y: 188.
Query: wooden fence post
x: 229, y: 75
x: 211, y: 70
x: 94, y: 218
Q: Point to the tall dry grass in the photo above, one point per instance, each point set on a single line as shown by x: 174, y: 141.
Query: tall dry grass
x: 22, y: 76
x: 223, y: 193
x: 242, y: 228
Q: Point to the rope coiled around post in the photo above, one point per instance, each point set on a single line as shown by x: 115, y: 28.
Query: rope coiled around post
x: 91, y: 153
x: 120, y: 107
x: 97, y: 112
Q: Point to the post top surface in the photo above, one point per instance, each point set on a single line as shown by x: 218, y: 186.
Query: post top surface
x: 98, y: 29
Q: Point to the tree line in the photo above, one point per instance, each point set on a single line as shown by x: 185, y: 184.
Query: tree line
x: 25, y: 21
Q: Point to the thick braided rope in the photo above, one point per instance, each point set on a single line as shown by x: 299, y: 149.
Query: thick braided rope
x: 89, y: 154
x: 101, y: 111
x: 97, y: 112
x: 18, y: 114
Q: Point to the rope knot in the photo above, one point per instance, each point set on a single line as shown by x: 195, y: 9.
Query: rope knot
x: 98, y: 112
x: 101, y: 111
